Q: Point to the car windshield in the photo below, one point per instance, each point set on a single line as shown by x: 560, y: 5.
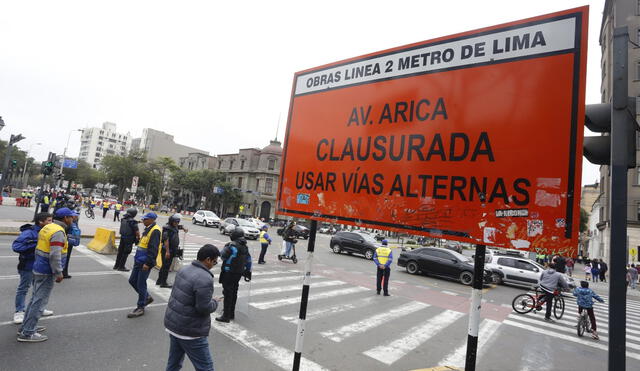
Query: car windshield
x: 210, y: 214
x: 244, y: 223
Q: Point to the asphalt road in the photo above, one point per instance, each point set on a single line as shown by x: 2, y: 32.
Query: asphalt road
x: 423, y: 324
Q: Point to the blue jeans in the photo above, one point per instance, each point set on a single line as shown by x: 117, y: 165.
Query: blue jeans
x: 197, y: 350
x: 289, y: 248
x: 138, y: 280
x: 42, y: 287
x: 26, y: 276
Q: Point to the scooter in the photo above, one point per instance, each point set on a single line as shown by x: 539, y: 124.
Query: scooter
x: 293, y: 257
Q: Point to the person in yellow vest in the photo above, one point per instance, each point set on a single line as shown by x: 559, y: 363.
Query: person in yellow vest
x: 383, y: 257
x: 147, y: 256
x: 105, y: 208
x: 51, y: 255
x: 116, y: 211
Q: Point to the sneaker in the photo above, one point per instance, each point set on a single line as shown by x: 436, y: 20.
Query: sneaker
x: 47, y: 313
x: 149, y: 300
x: 136, y: 313
x: 35, y: 338
x: 18, y: 317
x: 38, y: 329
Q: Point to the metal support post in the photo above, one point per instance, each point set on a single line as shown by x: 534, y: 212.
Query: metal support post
x: 474, y: 311
x: 305, y: 296
x: 618, y: 202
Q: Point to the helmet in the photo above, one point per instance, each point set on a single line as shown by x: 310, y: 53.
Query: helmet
x: 175, y: 218
x: 236, y: 234
x: 132, y: 212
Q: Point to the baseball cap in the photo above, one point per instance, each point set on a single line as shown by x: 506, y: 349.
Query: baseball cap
x: 65, y: 211
x: 150, y: 215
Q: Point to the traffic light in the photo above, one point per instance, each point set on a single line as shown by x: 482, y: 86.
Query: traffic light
x: 597, y: 150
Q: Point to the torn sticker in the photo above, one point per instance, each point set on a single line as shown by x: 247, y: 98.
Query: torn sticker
x: 534, y: 227
x: 544, y: 198
x: 520, y: 244
x: 489, y: 235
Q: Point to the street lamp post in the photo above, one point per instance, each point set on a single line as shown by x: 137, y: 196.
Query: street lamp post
x: 64, y: 154
x: 26, y: 160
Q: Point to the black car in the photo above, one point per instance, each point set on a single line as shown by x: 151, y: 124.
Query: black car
x: 354, y: 242
x: 299, y: 231
x: 439, y: 262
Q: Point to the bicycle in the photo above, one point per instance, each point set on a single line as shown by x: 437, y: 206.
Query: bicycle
x: 89, y: 213
x: 584, y: 324
x: 525, y: 303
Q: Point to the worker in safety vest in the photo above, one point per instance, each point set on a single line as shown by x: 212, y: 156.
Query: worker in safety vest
x: 51, y: 255
x: 147, y: 256
x: 383, y: 257
x: 116, y: 211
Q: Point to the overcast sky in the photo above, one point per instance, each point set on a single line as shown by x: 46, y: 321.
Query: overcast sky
x: 215, y: 74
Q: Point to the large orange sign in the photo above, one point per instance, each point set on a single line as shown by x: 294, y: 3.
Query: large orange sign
x: 474, y: 137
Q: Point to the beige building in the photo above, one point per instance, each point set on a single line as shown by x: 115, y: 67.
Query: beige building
x: 256, y: 173
x: 616, y: 14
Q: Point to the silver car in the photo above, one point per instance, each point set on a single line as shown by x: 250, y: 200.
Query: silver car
x: 250, y: 230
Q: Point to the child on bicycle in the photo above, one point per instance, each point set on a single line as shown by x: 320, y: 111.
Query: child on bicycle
x: 585, y: 298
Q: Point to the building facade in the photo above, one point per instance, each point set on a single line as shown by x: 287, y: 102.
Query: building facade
x: 620, y: 13
x: 156, y: 144
x: 256, y: 173
x: 96, y: 143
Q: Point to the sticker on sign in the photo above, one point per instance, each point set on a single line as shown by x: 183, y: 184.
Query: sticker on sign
x: 472, y: 137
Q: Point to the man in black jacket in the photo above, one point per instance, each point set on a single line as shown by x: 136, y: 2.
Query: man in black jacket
x: 188, y: 315
x: 170, y: 247
x: 236, y: 263
x: 129, y: 234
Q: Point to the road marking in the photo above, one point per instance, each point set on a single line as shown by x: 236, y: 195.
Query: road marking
x: 327, y: 311
x: 457, y: 358
x: 368, y: 323
x: 98, y: 273
x: 323, y: 295
x: 573, y: 338
x: 276, y: 354
x: 78, y: 314
x: 414, y: 337
x: 274, y: 290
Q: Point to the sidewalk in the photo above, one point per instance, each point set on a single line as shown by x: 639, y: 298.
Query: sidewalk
x: 599, y: 287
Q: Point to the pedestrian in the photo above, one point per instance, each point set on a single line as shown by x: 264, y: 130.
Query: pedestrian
x: 632, y: 272
x: 587, y: 271
x: 603, y: 271
x: 116, y: 211
x: 188, y: 315
x: 289, y: 236
x: 570, y: 264
x: 51, y: 251
x: 595, y: 270
x: 170, y: 247
x: 73, y: 236
x: 25, y: 245
x: 265, y: 241
x: 236, y: 263
x: 129, y: 234
x: 145, y: 259
x: 383, y: 257
x: 105, y: 208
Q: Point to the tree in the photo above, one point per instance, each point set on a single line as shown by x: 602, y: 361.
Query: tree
x: 584, y: 220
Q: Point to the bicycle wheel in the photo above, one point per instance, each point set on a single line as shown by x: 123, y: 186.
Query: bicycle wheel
x: 523, y: 303
x: 558, y: 307
x: 581, y: 325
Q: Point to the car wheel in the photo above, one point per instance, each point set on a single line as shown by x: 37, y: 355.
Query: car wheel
x: 496, y: 278
x: 336, y: 248
x: 368, y: 254
x: 412, y: 267
x: 466, y: 278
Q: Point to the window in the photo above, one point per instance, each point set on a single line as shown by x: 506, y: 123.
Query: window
x: 272, y: 164
x: 241, y: 164
x: 268, y: 185
x: 239, y: 182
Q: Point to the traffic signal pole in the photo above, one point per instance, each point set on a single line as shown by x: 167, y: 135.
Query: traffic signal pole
x: 618, y: 201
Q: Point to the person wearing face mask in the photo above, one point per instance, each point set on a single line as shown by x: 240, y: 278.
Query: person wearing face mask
x: 188, y: 315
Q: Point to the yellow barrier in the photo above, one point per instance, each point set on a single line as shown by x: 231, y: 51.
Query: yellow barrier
x: 104, y: 242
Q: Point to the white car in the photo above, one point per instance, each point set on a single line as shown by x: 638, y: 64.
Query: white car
x: 250, y: 230
x: 517, y: 270
x: 206, y: 218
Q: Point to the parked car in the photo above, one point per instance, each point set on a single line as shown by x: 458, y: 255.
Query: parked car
x: 516, y: 270
x: 440, y: 262
x: 300, y: 231
x: 206, y: 218
x: 354, y: 242
x: 250, y: 231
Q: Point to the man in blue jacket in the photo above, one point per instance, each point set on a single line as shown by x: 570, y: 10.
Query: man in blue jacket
x: 188, y: 315
x: 25, y: 245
